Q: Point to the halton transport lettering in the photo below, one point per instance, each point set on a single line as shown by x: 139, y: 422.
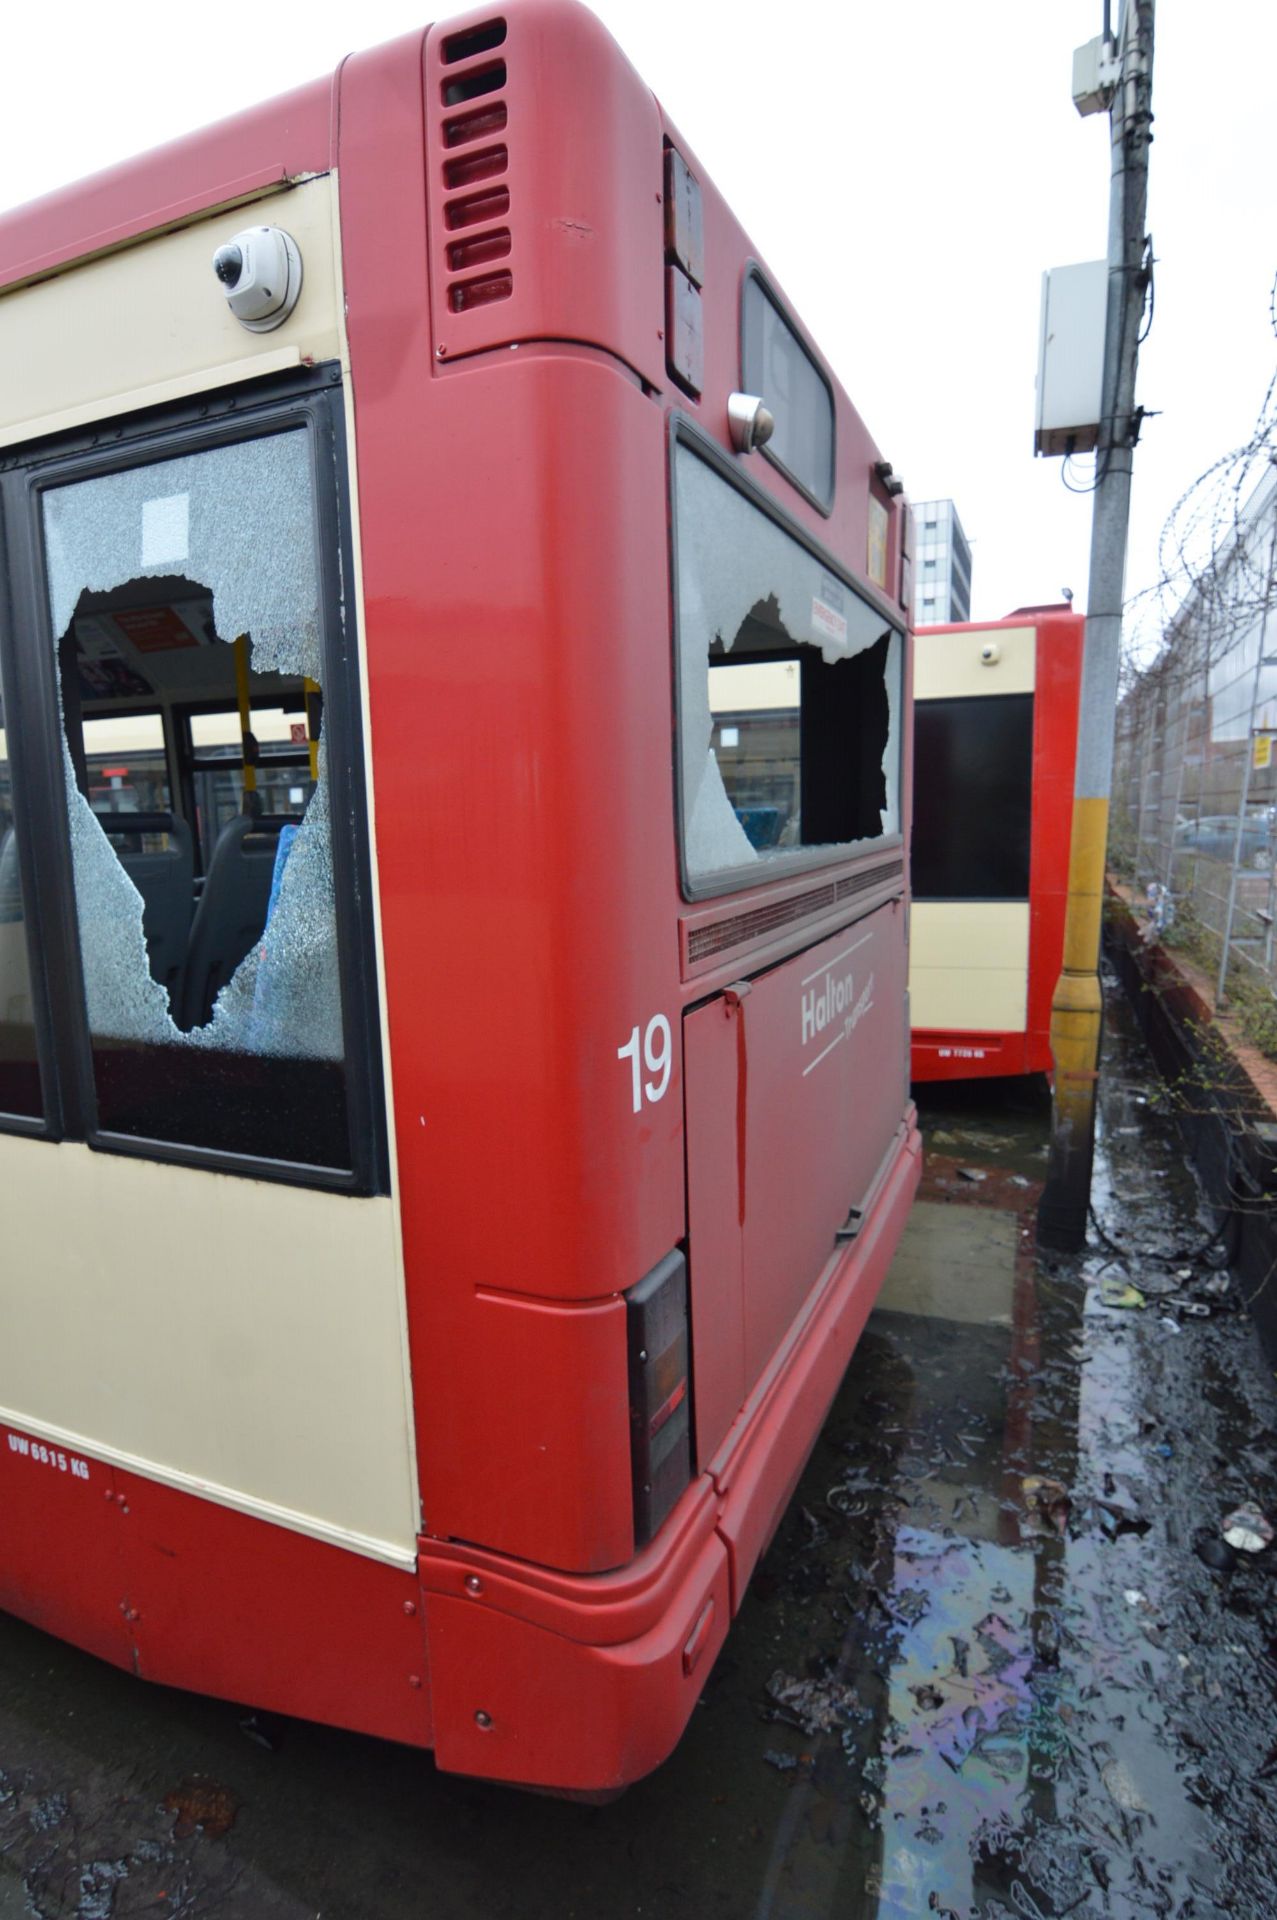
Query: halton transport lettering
x: 829, y: 1004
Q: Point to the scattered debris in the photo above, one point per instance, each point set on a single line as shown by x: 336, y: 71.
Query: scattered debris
x: 257, y: 1728
x: 1122, y: 1788
x: 98, y: 1883
x: 1048, y: 1501
x: 1114, y: 1516
x: 1215, y: 1554
x: 1120, y: 1293
x: 971, y: 1173
x: 1046, y: 1639
x: 817, y: 1706
x: 816, y: 1532
x: 1248, y: 1530
x: 200, y: 1803
x: 783, y: 1762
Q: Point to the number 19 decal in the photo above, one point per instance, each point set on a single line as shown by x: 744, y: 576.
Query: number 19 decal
x: 657, y: 1056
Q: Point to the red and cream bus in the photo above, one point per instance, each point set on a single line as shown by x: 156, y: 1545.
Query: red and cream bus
x: 454, y: 1114
x: 995, y: 733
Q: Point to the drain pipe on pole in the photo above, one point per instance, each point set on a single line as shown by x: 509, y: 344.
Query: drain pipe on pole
x: 1077, y: 1006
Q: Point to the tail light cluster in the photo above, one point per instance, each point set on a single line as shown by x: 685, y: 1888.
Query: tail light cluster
x: 660, y: 1404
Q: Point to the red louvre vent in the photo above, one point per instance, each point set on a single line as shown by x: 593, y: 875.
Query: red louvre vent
x: 479, y: 124
x: 478, y: 251
x: 468, y: 169
x: 472, y: 41
x: 475, y: 171
x: 469, y: 86
x: 756, y: 923
x: 464, y: 294
x: 477, y: 209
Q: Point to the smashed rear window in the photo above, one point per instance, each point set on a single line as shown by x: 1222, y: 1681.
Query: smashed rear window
x: 789, y: 692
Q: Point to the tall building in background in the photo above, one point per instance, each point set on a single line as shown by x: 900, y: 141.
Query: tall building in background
x: 942, y: 564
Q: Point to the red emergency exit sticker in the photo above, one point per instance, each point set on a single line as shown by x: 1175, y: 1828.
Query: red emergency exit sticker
x: 827, y: 623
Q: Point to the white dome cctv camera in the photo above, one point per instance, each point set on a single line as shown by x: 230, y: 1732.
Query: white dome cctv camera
x: 990, y: 653
x: 261, y: 275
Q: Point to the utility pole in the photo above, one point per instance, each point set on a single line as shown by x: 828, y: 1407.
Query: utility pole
x: 1076, y: 1010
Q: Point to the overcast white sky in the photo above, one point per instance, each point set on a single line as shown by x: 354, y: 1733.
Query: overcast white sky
x: 907, y: 168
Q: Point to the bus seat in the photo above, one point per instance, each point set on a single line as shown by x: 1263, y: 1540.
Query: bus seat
x: 231, y: 913
x: 164, y: 880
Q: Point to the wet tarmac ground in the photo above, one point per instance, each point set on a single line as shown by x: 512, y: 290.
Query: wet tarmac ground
x: 984, y: 1669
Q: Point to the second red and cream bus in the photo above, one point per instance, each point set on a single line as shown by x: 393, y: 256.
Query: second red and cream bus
x: 995, y: 729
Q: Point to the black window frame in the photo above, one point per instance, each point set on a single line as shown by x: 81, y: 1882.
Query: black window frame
x: 791, y: 863
x: 48, y: 1125
x: 312, y: 400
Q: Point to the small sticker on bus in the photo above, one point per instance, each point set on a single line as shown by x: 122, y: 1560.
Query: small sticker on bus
x: 827, y: 622
x: 166, y: 529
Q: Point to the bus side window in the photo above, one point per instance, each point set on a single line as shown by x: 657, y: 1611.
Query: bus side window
x: 193, y: 583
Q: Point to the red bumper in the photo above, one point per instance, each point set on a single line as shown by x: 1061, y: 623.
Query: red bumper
x: 959, y: 1054
x: 558, y: 1681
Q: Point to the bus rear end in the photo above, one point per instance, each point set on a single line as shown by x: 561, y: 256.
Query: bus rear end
x: 456, y: 1060
x: 996, y: 720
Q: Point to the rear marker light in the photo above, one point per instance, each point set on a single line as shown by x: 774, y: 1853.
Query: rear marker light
x: 684, y: 274
x: 684, y: 221
x: 660, y: 1409
x: 684, y: 332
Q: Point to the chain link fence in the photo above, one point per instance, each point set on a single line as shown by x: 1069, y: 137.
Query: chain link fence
x: 1195, y: 776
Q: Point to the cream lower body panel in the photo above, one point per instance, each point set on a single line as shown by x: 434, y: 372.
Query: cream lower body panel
x: 237, y: 1338
x: 969, y: 965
